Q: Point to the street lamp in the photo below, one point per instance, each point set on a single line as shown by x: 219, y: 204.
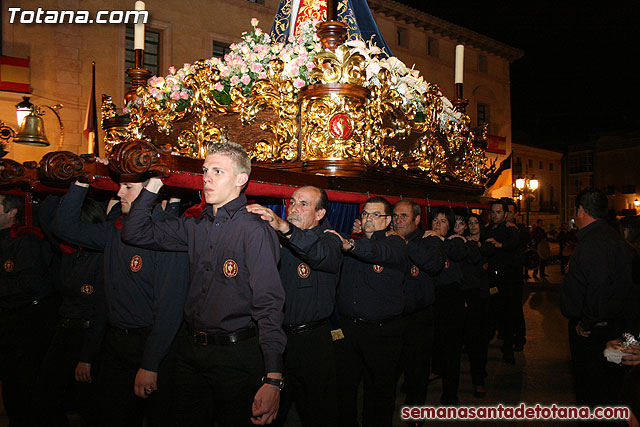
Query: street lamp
x: 526, y: 187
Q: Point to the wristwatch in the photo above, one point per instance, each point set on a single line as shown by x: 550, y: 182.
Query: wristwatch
x: 274, y: 381
x: 352, y: 243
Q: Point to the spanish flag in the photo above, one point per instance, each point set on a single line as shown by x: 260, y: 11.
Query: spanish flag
x: 502, y: 177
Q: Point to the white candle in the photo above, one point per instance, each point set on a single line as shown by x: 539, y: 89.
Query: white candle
x: 138, y: 38
x: 459, y: 63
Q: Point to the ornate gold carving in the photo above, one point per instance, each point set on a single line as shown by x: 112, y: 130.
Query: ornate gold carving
x: 279, y: 95
x: 339, y: 67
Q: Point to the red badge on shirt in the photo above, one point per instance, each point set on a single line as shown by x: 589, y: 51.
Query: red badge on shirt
x: 8, y: 266
x: 304, y: 270
x: 136, y: 263
x: 230, y: 268
x: 415, y: 271
x: 378, y: 268
x: 87, y: 289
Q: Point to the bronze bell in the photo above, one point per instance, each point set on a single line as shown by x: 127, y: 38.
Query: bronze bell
x: 31, y: 131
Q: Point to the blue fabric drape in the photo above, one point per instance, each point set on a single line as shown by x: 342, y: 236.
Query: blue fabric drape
x: 354, y: 13
x: 342, y: 215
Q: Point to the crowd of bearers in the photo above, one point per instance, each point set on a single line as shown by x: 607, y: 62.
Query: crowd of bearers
x: 202, y: 318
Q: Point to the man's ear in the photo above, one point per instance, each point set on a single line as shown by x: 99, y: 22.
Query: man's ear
x: 241, y: 179
x: 320, y: 213
x: 388, y: 219
x: 13, y: 213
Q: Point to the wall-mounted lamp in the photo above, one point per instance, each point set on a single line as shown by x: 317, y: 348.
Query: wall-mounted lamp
x: 636, y: 203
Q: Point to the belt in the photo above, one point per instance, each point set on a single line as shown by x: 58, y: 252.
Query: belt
x: 131, y: 331
x: 293, y: 329
x: 361, y: 321
x: 74, y: 323
x: 26, y: 305
x: 203, y: 338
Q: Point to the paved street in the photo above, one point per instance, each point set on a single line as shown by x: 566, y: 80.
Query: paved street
x: 542, y: 372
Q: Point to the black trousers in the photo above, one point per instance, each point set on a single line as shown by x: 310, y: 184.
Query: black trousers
x: 415, y: 361
x: 216, y: 382
x: 56, y: 390
x: 475, y: 332
x: 512, y: 322
x: 368, y: 352
x: 120, y: 360
x: 310, y: 378
x: 25, y: 334
x: 449, y: 324
x: 597, y: 381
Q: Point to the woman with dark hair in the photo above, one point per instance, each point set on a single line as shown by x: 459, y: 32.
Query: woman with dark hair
x: 449, y: 305
x: 475, y: 287
x: 67, y: 366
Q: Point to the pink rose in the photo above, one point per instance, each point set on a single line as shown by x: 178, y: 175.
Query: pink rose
x: 235, y: 80
x: 256, y: 67
x: 175, y: 95
x: 298, y: 83
x: 245, y: 79
x: 218, y: 86
x: 262, y: 75
x: 184, y: 95
x: 254, y: 22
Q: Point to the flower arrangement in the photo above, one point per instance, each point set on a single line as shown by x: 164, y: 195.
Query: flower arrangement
x: 248, y: 59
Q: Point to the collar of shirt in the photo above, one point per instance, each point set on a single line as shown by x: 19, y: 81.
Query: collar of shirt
x: 415, y: 234
x: 586, y: 230
x: 379, y: 235
x: 227, y: 211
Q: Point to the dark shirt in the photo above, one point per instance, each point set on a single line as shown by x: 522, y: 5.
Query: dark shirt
x: 427, y: 259
x: 371, y: 281
x: 451, y: 274
x: 476, y: 265
x: 310, y: 263
x: 26, y: 272
x: 233, y: 257
x: 505, y: 260
x: 598, y: 282
x: 143, y: 288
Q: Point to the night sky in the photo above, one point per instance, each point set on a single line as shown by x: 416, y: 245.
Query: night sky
x: 576, y: 80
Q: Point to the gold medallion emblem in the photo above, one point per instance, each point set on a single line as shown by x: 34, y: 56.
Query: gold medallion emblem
x: 230, y: 268
x: 87, y: 289
x: 304, y: 270
x: 415, y: 271
x: 136, y: 263
x: 378, y: 268
x: 8, y: 266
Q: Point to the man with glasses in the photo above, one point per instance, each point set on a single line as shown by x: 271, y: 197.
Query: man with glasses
x: 426, y: 259
x: 370, y: 303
